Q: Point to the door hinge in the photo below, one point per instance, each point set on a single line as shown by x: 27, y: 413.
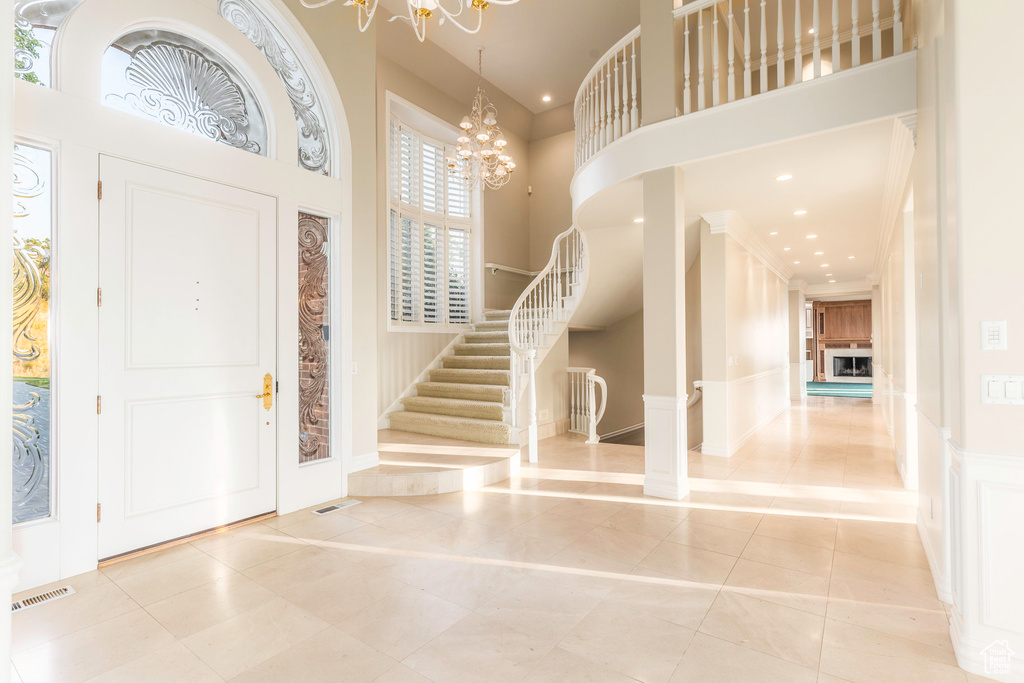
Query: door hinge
x: 99, y: 512
x: 99, y: 405
x: 99, y: 189
x: 99, y: 296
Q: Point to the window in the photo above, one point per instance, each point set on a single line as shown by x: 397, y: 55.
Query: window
x: 429, y: 233
x: 314, y: 338
x: 35, y: 26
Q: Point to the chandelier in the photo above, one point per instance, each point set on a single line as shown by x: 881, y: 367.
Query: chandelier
x: 482, y: 155
x: 419, y: 12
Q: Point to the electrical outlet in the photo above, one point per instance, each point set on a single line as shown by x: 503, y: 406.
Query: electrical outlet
x: 544, y: 415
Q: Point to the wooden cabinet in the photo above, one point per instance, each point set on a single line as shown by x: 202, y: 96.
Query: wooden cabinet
x: 839, y: 325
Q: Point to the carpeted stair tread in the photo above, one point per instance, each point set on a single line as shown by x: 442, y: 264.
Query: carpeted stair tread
x: 490, y: 325
x: 477, y: 362
x: 497, y: 349
x: 467, y: 376
x: 455, y: 407
x: 488, y: 337
x: 497, y: 315
x: 469, y: 392
x: 466, y: 428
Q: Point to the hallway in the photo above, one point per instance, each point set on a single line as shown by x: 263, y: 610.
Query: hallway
x: 795, y: 560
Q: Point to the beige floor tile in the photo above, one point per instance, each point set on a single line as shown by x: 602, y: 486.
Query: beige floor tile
x: 594, y: 511
x: 200, y: 608
x: 339, y: 596
x: 401, y: 674
x: 466, y: 580
x: 478, y: 648
x: 375, y: 509
x: 284, y: 573
x: 555, y: 528
x: 518, y: 547
x: 242, y: 642
x: 462, y: 535
x: 717, y: 538
x: 255, y: 549
x: 862, y: 655
x: 796, y: 556
x: 663, y: 596
x: 93, y: 602
x: 94, y: 650
x: 881, y: 547
x: 693, y: 564
x: 806, y: 592
x: 320, y: 528
x: 924, y: 624
x: 899, y: 577
x: 775, y: 630
x: 402, y: 621
x: 712, y: 660
x: 329, y: 656
x: 816, y: 531
x: 171, y: 664
x: 415, y: 521
x: 595, y: 574
x: 639, y: 521
x: 166, y: 580
x: 730, y: 519
x: 120, y: 570
x: 560, y: 665
x: 621, y: 546
x: 635, y: 644
x: 540, y: 607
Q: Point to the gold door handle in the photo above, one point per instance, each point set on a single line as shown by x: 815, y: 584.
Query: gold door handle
x: 268, y: 392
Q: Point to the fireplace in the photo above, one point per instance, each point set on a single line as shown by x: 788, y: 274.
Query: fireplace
x: 849, y: 365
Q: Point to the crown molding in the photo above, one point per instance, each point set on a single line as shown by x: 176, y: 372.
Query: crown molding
x: 839, y: 288
x: 798, y: 286
x: 731, y: 223
x: 901, y: 156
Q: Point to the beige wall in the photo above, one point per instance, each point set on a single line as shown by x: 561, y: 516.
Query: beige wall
x: 351, y: 57
x: 694, y: 360
x: 617, y: 354
x: 552, y: 165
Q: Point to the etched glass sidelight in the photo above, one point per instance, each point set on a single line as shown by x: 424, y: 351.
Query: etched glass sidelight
x: 33, y: 232
x: 35, y: 26
x: 314, y: 339
x: 170, y: 78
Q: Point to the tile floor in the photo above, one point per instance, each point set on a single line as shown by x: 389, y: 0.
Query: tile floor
x: 795, y: 560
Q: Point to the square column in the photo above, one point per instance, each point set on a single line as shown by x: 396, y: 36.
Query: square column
x: 797, y: 344
x: 665, y: 335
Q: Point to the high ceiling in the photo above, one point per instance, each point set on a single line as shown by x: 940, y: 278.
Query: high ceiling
x: 537, y: 47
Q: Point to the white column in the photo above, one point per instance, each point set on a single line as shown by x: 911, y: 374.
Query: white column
x: 714, y: 339
x: 797, y: 343
x: 665, y: 335
x: 9, y: 562
x: 876, y: 341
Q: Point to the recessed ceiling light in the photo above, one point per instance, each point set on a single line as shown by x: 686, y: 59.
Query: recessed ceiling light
x: 638, y: 220
x: 828, y: 274
x: 546, y: 98
x: 786, y: 248
x: 831, y: 280
x: 773, y: 234
x: 784, y: 177
x: 799, y: 212
x: 824, y: 265
x: 796, y: 263
x: 818, y: 253
x: 811, y: 237
x: 851, y: 257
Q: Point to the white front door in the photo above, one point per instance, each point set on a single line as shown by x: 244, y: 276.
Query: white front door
x: 188, y: 329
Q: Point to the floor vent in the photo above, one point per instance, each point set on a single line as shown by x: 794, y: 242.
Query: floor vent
x: 334, y: 508
x: 48, y: 596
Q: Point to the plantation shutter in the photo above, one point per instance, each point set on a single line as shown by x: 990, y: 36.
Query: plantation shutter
x: 429, y: 233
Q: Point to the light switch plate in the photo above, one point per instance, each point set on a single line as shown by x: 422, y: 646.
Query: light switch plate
x: 1003, y: 389
x: 993, y: 335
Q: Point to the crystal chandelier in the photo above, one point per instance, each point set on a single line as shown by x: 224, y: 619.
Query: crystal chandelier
x: 482, y: 155
x: 419, y: 12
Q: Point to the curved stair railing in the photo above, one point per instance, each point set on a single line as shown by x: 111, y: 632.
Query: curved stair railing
x: 584, y: 411
x: 543, y: 310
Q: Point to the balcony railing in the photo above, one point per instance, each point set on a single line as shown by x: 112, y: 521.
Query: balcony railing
x: 728, y: 50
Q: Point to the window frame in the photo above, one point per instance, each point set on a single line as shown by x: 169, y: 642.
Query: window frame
x: 430, y: 129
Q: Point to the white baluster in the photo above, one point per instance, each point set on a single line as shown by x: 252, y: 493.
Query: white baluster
x: 700, y: 60
x: 897, y: 27
x: 731, y: 88
x: 601, y: 141
x: 764, y: 49
x: 532, y: 407
x: 716, y: 91
x: 780, y: 58
x: 687, y: 103
x: 855, y: 36
x: 634, y: 114
x: 835, y: 36
x: 625, y: 93
x: 747, y: 88
x: 876, y: 32
x: 608, y: 105
x: 816, y: 27
x: 591, y: 409
x: 798, y: 55
x: 616, y: 120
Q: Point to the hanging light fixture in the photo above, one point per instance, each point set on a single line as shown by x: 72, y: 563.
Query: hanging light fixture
x: 421, y: 11
x: 482, y: 153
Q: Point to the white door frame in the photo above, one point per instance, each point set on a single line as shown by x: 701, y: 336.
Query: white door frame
x: 71, y: 120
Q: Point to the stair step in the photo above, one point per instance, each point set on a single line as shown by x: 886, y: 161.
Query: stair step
x: 466, y: 376
x: 465, y: 428
x: 490, y: 325
x: 477, y: 362
x: 468, y: 392
x: 497, y: 315
x: 493, y: 337
x: 455, y: 407
x: 483, y: 349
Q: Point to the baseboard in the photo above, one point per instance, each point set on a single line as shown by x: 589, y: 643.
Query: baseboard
x: 733, y: 448
x: 364, y: 461
x: 624, y: 430
x: 714, y: 450
x: 666, y: 490
x: 971, y: 655
x: 544, y: 431
x: 939, y: 577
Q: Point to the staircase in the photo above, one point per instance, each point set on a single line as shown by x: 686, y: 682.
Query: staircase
x: 467, y: 397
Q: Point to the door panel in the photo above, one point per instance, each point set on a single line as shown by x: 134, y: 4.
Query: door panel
x: 187, y: 333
